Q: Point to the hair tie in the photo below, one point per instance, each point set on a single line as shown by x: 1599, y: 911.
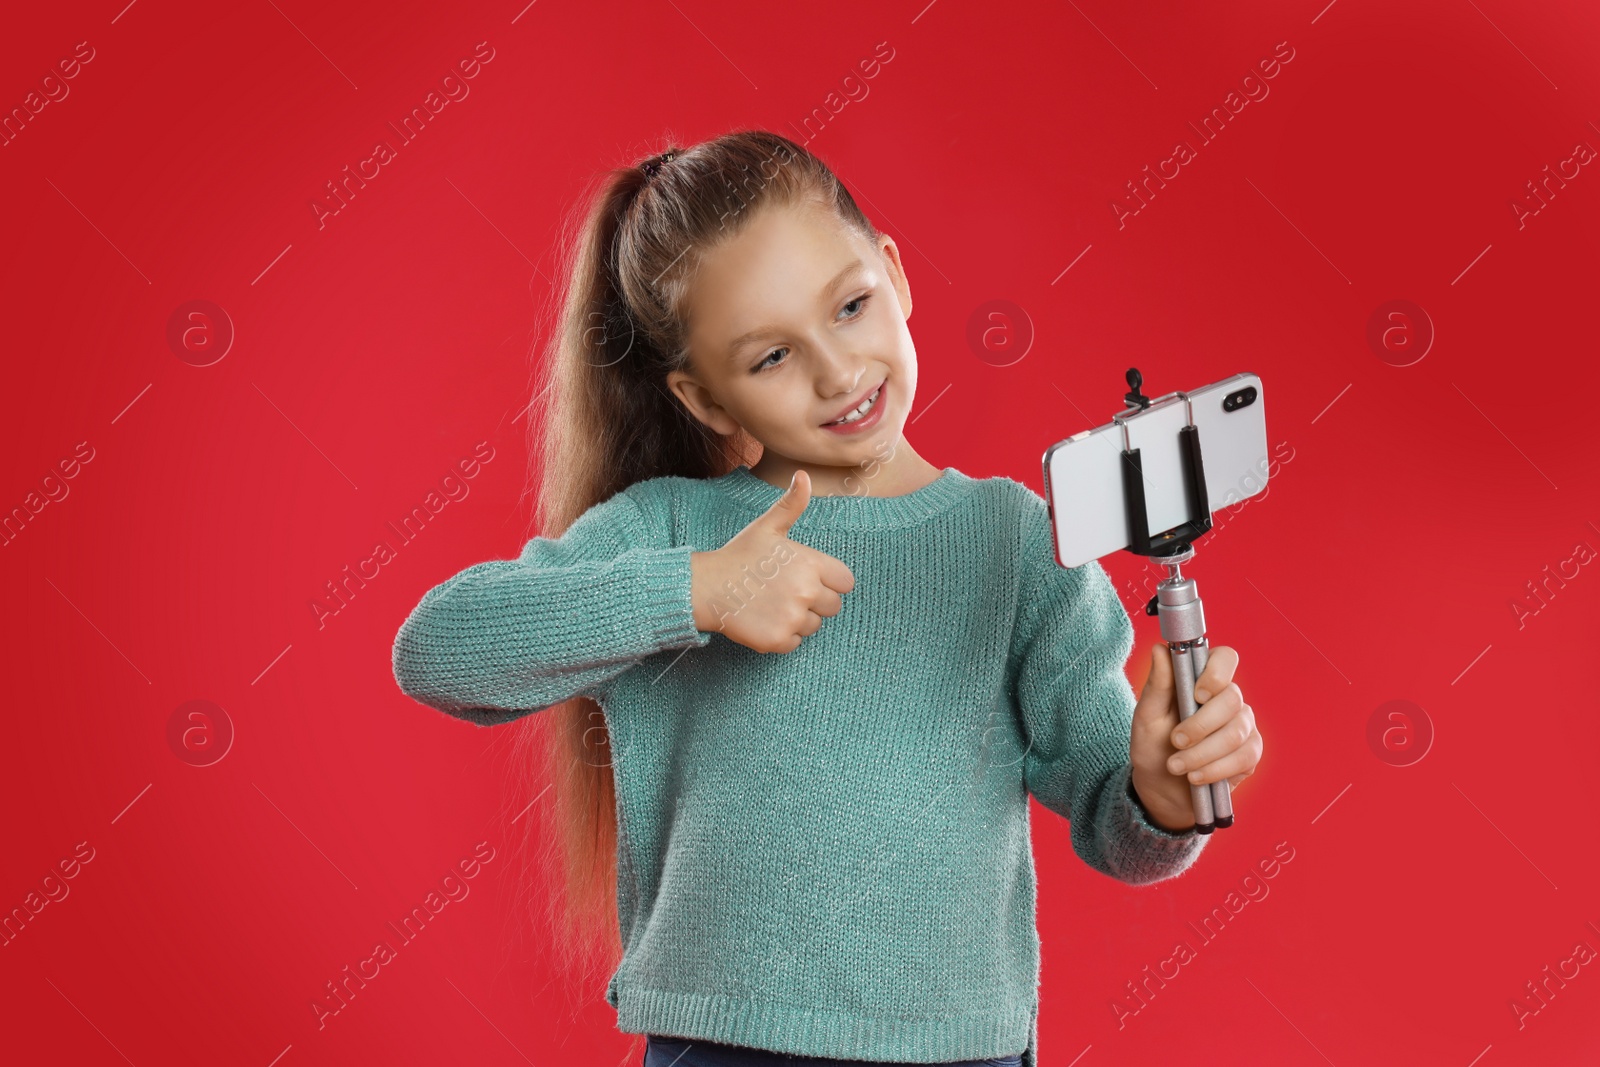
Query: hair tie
x: 652, y: 166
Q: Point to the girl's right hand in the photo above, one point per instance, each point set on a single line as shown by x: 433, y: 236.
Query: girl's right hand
x: 781, y: 589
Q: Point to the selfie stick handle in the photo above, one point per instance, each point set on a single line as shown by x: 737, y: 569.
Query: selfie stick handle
x: 1183, y: 627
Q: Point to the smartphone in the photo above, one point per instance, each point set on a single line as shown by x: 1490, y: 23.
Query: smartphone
x: 1083, y: 477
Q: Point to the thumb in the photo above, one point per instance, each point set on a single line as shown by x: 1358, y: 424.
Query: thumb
x: 788, y: 507
x: 1159, y: 687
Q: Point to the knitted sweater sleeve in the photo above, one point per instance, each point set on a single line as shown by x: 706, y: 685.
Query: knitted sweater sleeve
x: 505, y: 638
x: 1077, y: 712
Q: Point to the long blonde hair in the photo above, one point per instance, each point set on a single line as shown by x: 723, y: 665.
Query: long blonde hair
x: 605, y: 420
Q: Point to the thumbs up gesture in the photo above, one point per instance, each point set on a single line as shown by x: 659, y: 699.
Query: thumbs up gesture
x: 763, y: 590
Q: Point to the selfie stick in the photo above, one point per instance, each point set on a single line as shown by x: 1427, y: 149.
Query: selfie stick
x: 1177, y: 602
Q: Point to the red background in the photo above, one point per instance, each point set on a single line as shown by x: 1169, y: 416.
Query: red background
x: 374, y: 352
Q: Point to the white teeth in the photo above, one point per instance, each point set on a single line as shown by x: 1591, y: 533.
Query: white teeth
x: 866, y: 406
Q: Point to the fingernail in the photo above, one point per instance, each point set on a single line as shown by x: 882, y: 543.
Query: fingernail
x: 1175, y: 765
x: 1195, y: 776
x: 1202, y: 695
x: 1180, y: 740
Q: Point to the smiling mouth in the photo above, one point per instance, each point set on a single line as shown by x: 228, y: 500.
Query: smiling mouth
x: 862, y: 410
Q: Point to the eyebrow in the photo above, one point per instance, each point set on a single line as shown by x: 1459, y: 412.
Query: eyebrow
x: 761, y: 331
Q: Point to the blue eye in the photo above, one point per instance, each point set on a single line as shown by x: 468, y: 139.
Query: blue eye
x: 863, y: 299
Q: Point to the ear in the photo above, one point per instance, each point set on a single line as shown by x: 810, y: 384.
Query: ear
x: 700, y: 403
x: 897, y: 273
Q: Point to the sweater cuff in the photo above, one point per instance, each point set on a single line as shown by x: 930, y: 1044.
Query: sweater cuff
x: 1143, y: 851
x: 664, y: 614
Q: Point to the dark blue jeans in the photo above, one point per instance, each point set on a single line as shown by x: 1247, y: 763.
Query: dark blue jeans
x: 674, y: 1052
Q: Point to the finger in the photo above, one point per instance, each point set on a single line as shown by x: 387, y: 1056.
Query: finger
x: 1227, y: 738
x: 1155, y: 713
x: 834, y: 574
x: 1212, y: 714
x: 1221, y: 662
x: 1239, y: 760
x: 788, y: 507
x: 1230, y: 723
x: 812, y: 623
x: 1158, y: 683
x: 826, y: 603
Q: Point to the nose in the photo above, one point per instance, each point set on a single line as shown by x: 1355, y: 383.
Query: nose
x: 838, y: 373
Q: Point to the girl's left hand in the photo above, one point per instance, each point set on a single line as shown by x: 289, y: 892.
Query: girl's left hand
x: 1219, y: 741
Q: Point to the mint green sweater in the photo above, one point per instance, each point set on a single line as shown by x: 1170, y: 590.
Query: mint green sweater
x: 824, y: 852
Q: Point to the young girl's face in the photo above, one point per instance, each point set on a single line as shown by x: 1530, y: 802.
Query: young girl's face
x: 793, y: 323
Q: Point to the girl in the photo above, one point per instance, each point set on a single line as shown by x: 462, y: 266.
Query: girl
x: 800, y: 681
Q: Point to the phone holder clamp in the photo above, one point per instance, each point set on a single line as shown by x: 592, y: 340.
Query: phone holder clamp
x: 1183, y: 535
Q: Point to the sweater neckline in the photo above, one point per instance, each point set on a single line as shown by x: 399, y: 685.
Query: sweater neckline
x: 852, y: 510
